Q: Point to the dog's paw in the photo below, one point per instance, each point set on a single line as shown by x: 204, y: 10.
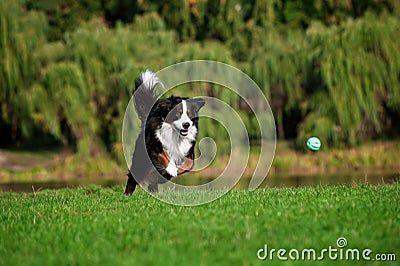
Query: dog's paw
x: 172, y: 169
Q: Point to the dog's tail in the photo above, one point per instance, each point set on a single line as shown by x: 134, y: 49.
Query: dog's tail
x: 144, y: 95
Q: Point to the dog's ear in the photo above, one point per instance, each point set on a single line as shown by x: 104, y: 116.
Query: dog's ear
x: 164, y: 107
x: 198, y: 102
x: 172, y: 101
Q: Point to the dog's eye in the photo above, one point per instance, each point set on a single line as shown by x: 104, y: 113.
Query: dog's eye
x: 180, y: 111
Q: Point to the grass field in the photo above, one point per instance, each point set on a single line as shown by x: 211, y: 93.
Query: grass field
x: 100, y: 226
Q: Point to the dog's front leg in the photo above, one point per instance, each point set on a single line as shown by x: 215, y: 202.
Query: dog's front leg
x: 172, y: 169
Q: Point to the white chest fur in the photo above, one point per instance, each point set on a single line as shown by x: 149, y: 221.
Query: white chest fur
x: 176, y: 146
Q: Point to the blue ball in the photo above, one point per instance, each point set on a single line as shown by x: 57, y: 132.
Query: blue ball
x: 314, y: 143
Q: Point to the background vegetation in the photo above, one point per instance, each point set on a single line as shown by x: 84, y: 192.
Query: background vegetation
x: 328, y: 68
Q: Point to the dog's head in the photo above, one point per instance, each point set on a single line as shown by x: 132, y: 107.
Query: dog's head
x: 183, y: 114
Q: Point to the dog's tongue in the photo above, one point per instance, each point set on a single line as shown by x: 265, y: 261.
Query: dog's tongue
x: 184, y: 132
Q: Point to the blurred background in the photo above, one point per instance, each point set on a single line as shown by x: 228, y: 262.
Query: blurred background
x: 329, y: 68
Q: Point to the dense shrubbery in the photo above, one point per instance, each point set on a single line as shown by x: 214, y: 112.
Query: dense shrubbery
x: 329, y: 68
x: 339, y: 83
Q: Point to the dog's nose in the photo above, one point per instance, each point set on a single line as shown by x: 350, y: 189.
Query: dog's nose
x: 186, y: 125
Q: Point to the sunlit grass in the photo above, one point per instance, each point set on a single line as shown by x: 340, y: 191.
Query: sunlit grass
x: 100, y: 226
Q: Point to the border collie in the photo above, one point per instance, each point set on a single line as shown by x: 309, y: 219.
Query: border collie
x: 165, y: 145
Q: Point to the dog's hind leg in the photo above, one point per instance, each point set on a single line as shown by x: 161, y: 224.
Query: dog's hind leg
x: 130, y: 185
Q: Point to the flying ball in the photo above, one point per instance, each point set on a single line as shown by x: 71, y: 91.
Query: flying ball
x: 313, y: 144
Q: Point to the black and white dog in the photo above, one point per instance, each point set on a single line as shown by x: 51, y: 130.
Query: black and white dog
x: 165, y: 145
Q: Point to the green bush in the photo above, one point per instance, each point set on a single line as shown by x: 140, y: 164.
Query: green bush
x: 328, y: 68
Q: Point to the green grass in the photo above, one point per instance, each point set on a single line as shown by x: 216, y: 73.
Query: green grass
x: 99, y: 226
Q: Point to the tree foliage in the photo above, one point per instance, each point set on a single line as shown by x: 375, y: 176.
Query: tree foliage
x: 328, y: 68
x: 343, y: 79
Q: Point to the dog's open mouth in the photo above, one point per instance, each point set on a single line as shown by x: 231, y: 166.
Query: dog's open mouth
x: 184, y: 132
